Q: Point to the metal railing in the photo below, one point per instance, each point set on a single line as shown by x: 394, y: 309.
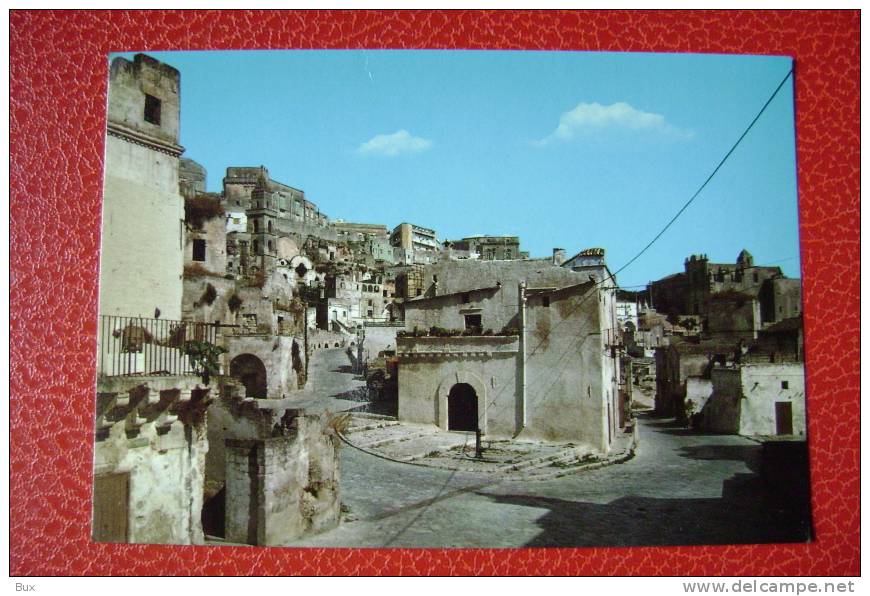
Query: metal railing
x: 139, y: 346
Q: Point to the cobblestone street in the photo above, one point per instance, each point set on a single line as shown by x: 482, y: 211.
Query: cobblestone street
x: 681, y: 488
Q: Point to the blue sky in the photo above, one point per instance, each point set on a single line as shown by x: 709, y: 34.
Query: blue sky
x: 564, y: 149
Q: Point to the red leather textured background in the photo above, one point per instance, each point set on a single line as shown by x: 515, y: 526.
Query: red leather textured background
x: 57, y: 111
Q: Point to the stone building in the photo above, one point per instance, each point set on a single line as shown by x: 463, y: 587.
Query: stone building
x: 756, y: 399
x: 150, y: 438
x: 271, y: 472
x: 690, y: 292
x: 141, y: 192
x: 152, y: 431
x: 733, y: 315
x: 369, y: 244
x: 295, y: 211
x: 490, y: 248
x: 519, y: 349
x: 681, y: 360
x: 414, y: 244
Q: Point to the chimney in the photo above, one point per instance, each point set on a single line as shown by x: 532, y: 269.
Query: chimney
x: 558, y: 256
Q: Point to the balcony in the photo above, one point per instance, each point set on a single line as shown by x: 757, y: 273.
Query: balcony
x: 136, y: 346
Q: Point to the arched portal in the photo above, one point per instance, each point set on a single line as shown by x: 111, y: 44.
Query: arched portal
x: 250, y: 370
x: 462, y: 408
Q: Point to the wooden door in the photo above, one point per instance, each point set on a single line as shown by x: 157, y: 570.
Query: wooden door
x: 111, y: 507
x: 783, y: 418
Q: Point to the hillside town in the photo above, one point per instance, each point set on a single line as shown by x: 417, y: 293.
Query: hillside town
x: 271, y: 375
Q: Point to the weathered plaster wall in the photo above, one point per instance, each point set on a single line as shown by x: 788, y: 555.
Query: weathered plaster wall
x: 142, y: 237
x: 380, y: 337
x: 699, y: 391
x: 281, y: 488
x: 276, y: 354
x: 213, y: 232
x: 143, y: 214
x: 426, y: 378
x: 496, y: 306
x: 195, y: 306
x: 761, y: 387
x: 735, y: 320
x: 722, y: 411
x: 130, y: 81
x: 568, y: 383
x: 164, y: 456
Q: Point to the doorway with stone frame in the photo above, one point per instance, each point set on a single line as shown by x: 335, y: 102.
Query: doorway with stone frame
x: 462, y: 408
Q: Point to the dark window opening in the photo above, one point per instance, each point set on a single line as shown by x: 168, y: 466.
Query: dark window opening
x: 256, y: 247
x: 152, y: 109
x: 199, y: 250
x: 466, y: 298
x: 473, y: 323
x: 546, y: 301
x: 785, y: 384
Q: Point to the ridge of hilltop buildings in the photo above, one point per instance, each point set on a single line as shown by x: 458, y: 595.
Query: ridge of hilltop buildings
x: 212, y: 306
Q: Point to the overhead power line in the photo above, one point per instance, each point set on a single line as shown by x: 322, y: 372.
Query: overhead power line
x: 713, y: 173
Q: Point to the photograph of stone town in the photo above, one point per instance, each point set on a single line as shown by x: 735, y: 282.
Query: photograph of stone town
x: 514, y: 349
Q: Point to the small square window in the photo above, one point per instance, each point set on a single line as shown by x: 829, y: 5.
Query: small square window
x: 199, y: 250
x: 466, y: 298
x: 473, y: 323
x: 152, y: 109
x: 785, y: 384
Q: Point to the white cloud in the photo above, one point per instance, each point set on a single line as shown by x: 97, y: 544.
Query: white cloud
x: 395, y: 144
x: 594, y: 116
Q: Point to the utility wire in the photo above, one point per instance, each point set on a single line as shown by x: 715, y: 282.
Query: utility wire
x: 710, y: 177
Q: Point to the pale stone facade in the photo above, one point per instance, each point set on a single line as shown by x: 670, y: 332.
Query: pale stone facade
x: 277, y: 466
x: 143, y: 212
x: 757, y: 399
x: 149, y: 460
x: 536, y: 351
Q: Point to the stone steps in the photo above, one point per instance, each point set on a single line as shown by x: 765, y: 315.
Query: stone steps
x: 356, y: 428
x: 391, y: 440
x: 542, y: 461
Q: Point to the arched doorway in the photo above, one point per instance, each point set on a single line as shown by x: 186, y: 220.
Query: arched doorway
x: 250, y: 370
x: 462, y: 408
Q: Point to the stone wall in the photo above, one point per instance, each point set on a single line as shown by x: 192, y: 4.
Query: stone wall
x: 285, y: 373
x: 744, y: 398
x: 762, y: 388
x: 198, y: 304
x: 734, y: 319
x: 570, y: 389
x: 319, y: 339
x: 380, y: 337
x: 141, y: 255
x: 283, y: 484
x: 430, y: 367
x: 149, y: 429
x: 213, y: 233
